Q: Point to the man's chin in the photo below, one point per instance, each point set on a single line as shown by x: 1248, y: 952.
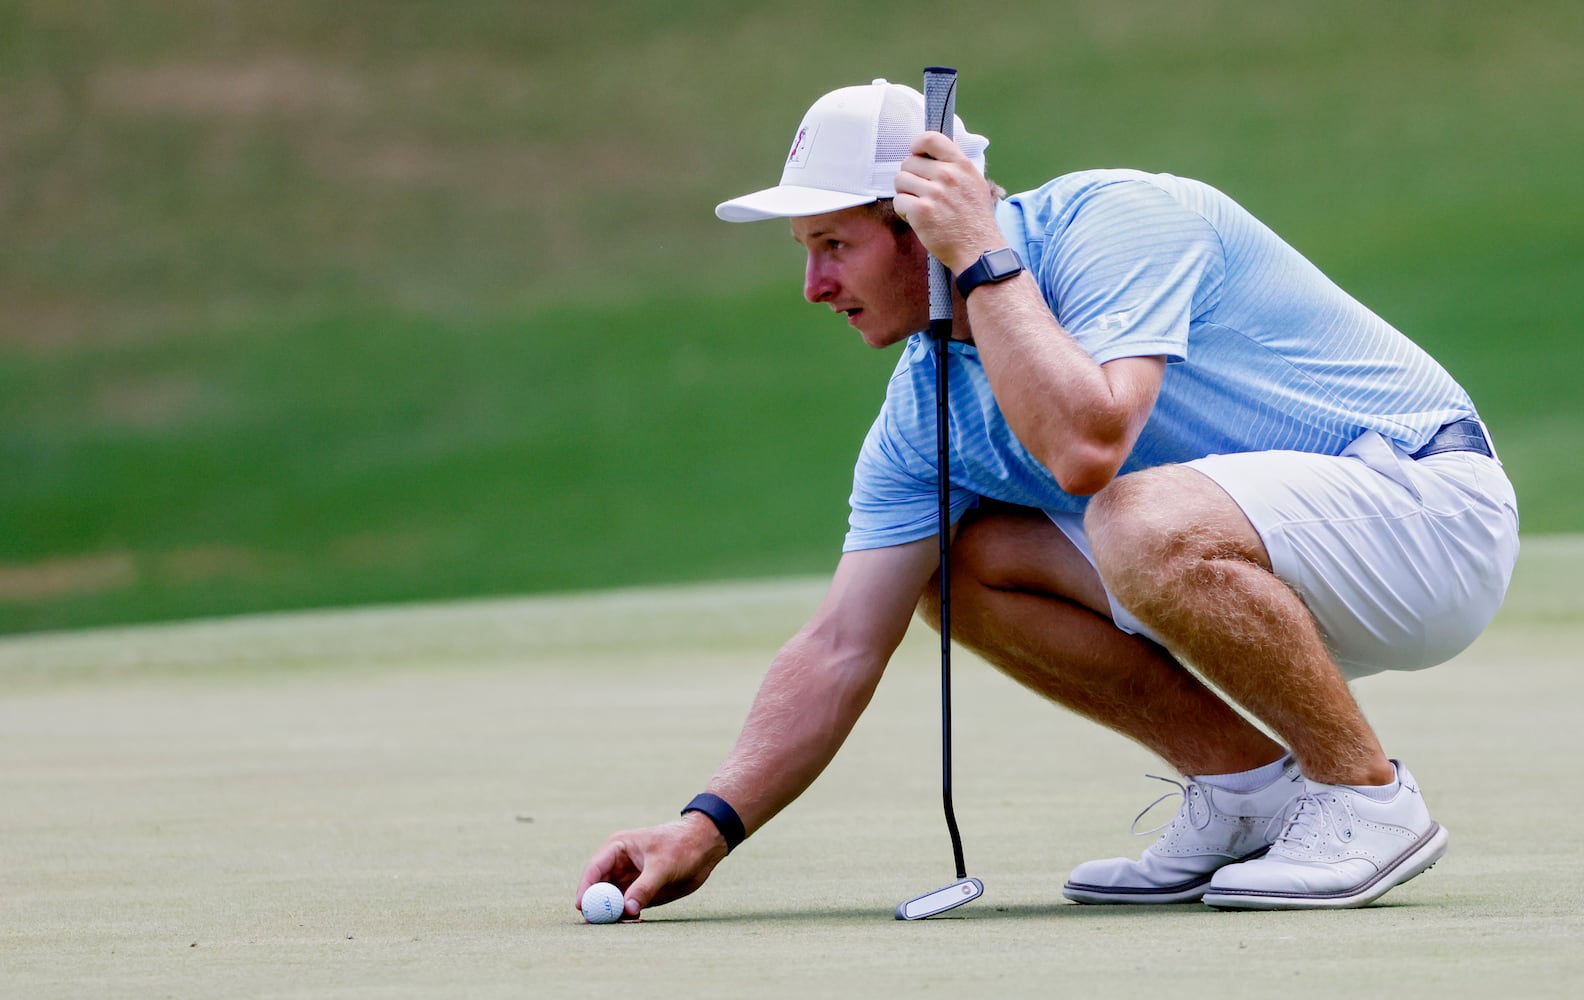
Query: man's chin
x: 880, y: 343
x: 876, y: 337
x: 880, y: 339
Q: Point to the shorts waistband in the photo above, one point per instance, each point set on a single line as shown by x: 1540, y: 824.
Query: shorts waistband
x: 1467, y: 434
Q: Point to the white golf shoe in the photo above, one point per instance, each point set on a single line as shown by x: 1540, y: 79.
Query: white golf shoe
x: 1338, y: 848
x: 1212, y: 829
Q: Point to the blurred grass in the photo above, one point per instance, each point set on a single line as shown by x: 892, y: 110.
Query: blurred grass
x: 308, y: 304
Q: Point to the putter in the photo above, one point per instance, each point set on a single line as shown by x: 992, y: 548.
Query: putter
x: 940, y: 105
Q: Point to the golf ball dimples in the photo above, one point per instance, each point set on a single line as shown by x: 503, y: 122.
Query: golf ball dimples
x: 602, y: 903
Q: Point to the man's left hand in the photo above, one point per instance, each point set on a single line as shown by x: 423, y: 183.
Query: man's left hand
x: 947, y: 201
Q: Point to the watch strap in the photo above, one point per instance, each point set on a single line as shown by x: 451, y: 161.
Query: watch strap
x: 992, y: 266
x: 722, y: 815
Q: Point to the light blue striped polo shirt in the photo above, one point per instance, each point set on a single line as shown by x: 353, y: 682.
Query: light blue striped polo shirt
x: 1265, y: 352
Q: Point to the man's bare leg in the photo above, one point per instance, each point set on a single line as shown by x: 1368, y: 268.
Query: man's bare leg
x: 1026, y: 600
x: 1179, y: 554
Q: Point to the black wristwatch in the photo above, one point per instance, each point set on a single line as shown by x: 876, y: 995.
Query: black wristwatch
x: 995, y: 265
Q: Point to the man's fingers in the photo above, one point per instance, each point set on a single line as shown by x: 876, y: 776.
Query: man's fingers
x: 936, y: 146
x: 920, y: 170
x: 656, y: 865
x: 935, y: 175
x: 614, y: 863
x: 642, y: 891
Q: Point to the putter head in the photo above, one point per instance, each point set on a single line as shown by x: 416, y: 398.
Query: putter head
x: 940, y: 900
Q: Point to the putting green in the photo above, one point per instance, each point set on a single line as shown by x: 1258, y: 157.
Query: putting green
x: 399, y: 802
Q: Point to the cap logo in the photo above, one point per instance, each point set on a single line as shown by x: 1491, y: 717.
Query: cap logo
x: 798, y: 157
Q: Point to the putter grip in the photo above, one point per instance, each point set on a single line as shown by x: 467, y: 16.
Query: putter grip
x: 940, y: 108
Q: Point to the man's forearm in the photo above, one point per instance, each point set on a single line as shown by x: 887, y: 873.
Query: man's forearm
x: 1079, y: 419
x: 805, y: 708
x: 822, y: 679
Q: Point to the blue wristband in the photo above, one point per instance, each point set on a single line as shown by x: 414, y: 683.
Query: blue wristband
x: 722, y: 815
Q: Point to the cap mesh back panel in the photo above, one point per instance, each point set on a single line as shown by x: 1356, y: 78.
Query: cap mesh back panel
x: 901, y: 121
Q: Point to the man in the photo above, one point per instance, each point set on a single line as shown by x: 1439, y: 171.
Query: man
x: 1174, y: 442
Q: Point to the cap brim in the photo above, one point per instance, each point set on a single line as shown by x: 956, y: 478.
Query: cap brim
x: 786, y: 202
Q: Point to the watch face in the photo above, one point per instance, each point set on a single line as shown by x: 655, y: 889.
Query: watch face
x: 1002, y: 263
x: 993, y: 265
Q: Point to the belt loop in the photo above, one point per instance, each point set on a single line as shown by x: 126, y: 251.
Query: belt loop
x: 1489, y: 444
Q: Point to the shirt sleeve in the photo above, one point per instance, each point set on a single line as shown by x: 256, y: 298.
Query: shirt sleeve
x: 895, y: 497
x: 1131, y: 270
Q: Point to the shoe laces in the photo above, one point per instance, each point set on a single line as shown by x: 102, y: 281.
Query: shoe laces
x: 1311, y: 813
x: 1181, y: 791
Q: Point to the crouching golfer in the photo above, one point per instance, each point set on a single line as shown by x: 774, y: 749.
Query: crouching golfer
x: 1173, y: 442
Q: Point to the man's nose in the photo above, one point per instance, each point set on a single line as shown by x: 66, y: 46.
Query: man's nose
x: 819, y: 284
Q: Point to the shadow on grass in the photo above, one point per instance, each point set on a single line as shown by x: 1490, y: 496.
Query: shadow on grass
x: 1019, y: 911
x: 870, y: 913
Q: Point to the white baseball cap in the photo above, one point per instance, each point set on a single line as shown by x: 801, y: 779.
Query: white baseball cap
x: 847, y: 152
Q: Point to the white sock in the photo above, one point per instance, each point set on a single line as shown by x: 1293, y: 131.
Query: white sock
x: 1378, y: 792
x: 1243, y: 782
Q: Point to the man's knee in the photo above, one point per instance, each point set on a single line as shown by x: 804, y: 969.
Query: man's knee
x: 1153, y: 529
x: 1130, y: 523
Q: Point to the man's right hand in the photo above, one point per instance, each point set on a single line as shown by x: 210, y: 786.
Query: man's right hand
x: 815, y: 690
x: 657, y: 864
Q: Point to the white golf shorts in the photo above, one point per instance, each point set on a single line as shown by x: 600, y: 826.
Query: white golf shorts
x: 1402, y: 562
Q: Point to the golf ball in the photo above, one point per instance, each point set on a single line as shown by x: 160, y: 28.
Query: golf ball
x: 602, y: 903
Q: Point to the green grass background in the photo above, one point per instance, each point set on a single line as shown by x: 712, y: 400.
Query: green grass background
x: 309, y: 304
